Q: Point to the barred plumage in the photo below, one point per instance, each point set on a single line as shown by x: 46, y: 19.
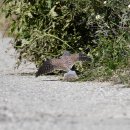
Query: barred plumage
x: 65, y: 63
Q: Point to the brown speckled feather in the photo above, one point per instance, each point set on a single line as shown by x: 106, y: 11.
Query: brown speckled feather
x: 49, y: 66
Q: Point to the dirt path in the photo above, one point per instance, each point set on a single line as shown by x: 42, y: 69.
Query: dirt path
x: 45, y: 103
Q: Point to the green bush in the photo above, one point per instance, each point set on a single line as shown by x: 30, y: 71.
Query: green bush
x: 45, y: 28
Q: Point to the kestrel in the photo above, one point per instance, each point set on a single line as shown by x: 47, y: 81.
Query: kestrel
x: 65, y: 63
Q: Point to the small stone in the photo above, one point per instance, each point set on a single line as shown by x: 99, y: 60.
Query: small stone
x: 70, y: 76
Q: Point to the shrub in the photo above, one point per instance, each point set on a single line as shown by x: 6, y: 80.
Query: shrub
x: 45, y: 28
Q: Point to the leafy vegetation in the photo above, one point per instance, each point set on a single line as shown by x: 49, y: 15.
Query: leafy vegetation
x: 45, y: 28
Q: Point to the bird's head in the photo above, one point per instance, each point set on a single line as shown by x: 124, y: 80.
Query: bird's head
x: 83, y: 57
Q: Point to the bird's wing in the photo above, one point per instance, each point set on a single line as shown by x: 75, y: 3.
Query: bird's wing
x: 66, y: 53
x: 49, y: 66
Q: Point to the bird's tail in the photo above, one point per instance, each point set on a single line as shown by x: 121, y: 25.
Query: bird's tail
x: 37, y: 74
x: 46, y: 67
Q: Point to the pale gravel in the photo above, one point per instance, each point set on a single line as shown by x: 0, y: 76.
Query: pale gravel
x: 46, y: 103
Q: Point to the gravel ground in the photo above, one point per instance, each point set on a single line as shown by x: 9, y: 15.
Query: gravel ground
x: 45, y: 103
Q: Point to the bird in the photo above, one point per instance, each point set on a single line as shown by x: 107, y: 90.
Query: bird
x: 64, y: 62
